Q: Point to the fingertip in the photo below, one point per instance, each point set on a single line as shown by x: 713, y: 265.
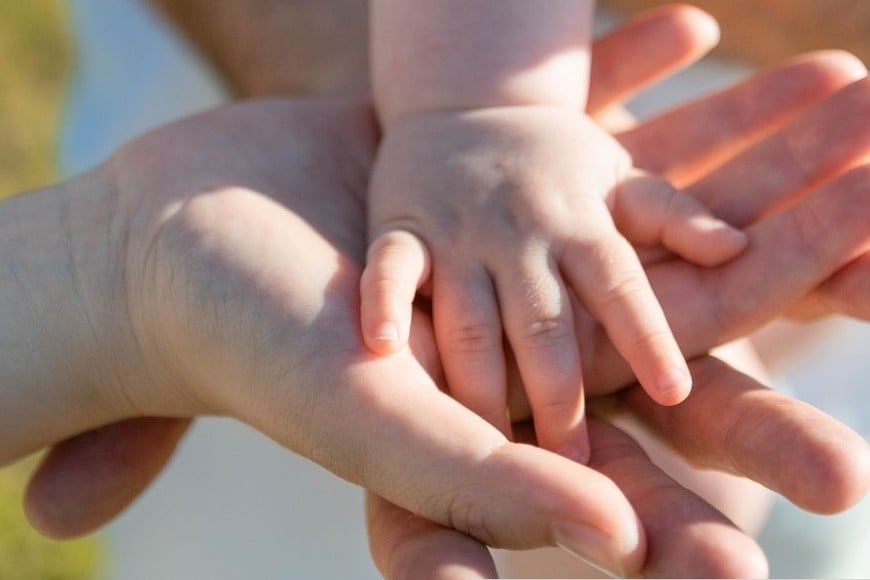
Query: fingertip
x: 838, y: 468
x: 701, y: 25
x: 713, y: 242
x: 729, y: 238
x: 838, y: 65
x: 42, y: 514
x: 673, y: 385
x: 728, y: 243
x: 617, y: 553
x: 397, y: 265
x: 732, y: 237
x: 385, y: 339
x: 388, y: 332
x: 579, y: 450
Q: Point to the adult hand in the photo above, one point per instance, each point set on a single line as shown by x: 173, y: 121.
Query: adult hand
x: 66, y: 498
x: 778, y: 176
x: 231, y: 302
x: 199, y: 147
x: 728, y: 406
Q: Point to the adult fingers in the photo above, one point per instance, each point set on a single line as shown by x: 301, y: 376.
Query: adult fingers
x: 415, y: 446
x: 644, y: 50
x: 689, y: 141
x: 397, y: 265
x: 812, y: 240
x: 84, y: 482
x: 539, y: 324
x: 789, y: 254
x: 847, y: 292
x: 648, y: 211
x: 733, y: 423
x: 689, y: 538
x: 819, y: 145
x: 469, y: 335
x: 404, y: 545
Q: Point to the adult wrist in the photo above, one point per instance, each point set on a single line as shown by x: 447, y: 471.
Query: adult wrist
x: 63, y: 354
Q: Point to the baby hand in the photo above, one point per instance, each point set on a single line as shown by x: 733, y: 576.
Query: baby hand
x: 509, y: 214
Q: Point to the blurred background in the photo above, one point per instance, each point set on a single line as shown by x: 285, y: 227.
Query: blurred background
x: 35, y: 61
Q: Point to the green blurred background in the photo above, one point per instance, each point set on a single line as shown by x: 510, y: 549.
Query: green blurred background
x: 34, y: 62
x: 35, y: 59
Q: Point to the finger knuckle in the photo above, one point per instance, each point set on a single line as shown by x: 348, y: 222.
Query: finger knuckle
x: 380, y: 283
x: 624, y: 288
x: 546, y: 330
x: 562, y: 405
x: 474, y: 337
x: 389, y: 245
x: 466, y: 513
x: 643, y: 340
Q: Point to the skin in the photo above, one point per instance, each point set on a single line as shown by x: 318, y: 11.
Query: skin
x: 130, y: 453
x: 676, y: 33
x: 453, y: 56
x: 494, y: 191
x: 492, y: 212
x: 743, y: 400
x: 279, y: 47
x: 660, y: 41
x: 232, y: 318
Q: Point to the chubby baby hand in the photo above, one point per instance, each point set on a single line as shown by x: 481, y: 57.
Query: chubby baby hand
x: 506, y: 216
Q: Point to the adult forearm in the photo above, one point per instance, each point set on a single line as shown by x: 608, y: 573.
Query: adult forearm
x: 271, y: 47
x: 60, y: 345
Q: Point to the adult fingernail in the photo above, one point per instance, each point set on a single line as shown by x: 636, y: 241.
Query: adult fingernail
x: 589, y: 545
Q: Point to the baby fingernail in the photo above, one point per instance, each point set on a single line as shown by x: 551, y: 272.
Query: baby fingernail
x: 589, y: 545
x: 675, y: 385
x: 732, y: 232
x: 387, y: 332
x: 577, y: 453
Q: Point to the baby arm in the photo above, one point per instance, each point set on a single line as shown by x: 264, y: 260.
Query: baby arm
x: 493, y: 189
x: 449, y: 55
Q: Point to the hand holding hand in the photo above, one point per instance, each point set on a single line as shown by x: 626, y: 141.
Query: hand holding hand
x: 516, y: 211
x: 236, y: 149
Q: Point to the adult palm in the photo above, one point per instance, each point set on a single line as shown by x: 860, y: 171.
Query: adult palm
x: 242, y: 252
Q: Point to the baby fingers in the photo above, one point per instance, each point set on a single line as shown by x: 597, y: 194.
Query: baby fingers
x: 539, y: 324
x: 649, y: 211
x: 469, y: 334
x: 396, y: 266
x: 607, y: 275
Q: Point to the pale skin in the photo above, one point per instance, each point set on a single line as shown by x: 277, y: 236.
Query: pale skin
x: 234, y: 319
x: 130, y: 453
x: 508, y: 204
x: 220, y: 329
x: 667, y: 32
